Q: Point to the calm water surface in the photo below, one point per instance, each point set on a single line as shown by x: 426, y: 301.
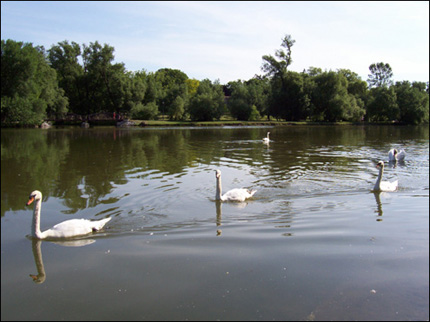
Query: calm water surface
x: 313, y: 244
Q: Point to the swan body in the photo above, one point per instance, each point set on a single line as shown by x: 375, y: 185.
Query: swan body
x: 395, y: 155
x: 238, y: 194
x: 65, y: 229
x: 266, y: 139
x: 384, y: 185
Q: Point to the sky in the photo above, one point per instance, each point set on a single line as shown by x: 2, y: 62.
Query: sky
x: 225, y: 41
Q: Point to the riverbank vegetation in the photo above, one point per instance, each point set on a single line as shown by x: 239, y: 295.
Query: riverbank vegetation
x: 78, y: 82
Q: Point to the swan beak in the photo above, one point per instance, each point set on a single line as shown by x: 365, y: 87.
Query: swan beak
x: 30, y: 200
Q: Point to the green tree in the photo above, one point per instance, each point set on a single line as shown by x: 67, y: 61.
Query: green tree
x: 247, y: 98
x: 64, y: 58
x: 358, y: 89
x: 208, y: 102
x: 413, y: 102
x: 137, y: 88
x: 382, y: 106
x: 192, y: 85
x: 356, y: 86
x: 238, y: 102
x: 380, y: 75
x: 106, y: 85
x: 99, y: 84
x: 313, y: 71
x: 177, y: 109
x: 277, y: 68
x: 153, y: 89
x: 331, y: 101
x: 255, y: 115
x: 144, y: 112
x: 173, y: 84
x: 290, y: 100
x: 29, y: 86
x: 258, y: 93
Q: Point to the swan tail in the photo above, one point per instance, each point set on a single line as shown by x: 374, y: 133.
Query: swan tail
x: 252, y: 192
x: 401, y: 155
x: 100, y: 223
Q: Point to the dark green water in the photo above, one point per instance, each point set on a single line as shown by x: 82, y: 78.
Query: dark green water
x: 313, y: 244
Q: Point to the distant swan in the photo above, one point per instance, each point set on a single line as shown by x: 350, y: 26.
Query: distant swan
x: 232, y: 195
x: 65, y: 229
x: 266, y: 139
x: 384, y: 185
x: 395, y: 155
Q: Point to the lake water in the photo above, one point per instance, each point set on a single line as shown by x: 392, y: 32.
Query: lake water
x: 314, y: 243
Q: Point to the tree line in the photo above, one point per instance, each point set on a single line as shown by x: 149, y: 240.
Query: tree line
x: 68, y: 78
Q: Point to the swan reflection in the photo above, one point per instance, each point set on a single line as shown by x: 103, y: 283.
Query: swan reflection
x: 218, y: 207
x: 377, y: 195
x: 37, y: 253
x: 394, y: 163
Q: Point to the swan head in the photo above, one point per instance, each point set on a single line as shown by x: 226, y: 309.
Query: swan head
x: 35, y: 195
x: 380, y: 165
x: 217, y: 174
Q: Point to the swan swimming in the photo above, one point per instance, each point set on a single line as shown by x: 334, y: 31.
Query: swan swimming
x: 395, y: 155
x: 266, y: 139
x: 384, y: 185
x: 238, y: 194
x: 65, y: 229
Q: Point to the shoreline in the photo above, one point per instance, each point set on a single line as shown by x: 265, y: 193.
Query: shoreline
x: 251, y: 123
x: 197, y: 124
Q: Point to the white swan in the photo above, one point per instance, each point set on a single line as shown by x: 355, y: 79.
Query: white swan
x: 232, y: 195
x: 395, y: 155
x: 384, y: 185
x: 266, y: 139
x: 65, y: 229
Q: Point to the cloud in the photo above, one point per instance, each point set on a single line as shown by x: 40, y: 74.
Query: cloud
x: 226, y: 40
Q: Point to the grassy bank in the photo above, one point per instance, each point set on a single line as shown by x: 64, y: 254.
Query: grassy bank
x: 155, y: 123
x: 210, y: 123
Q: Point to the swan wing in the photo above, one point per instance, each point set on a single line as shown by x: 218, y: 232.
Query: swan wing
x: 389, y: 186
x: 238, y: 194
x: 401, y: 155
x: 74, y: 227
x: 391, y: 155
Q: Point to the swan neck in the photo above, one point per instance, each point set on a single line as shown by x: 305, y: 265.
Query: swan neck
x: 35, y: 229
x: 218, y: 188
x: 378, y: 181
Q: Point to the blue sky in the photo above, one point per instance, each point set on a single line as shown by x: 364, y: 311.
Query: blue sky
x: 226, y: 40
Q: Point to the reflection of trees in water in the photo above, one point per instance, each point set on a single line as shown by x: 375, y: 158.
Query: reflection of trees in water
x: 30, y: 160
x: 82, y: 166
